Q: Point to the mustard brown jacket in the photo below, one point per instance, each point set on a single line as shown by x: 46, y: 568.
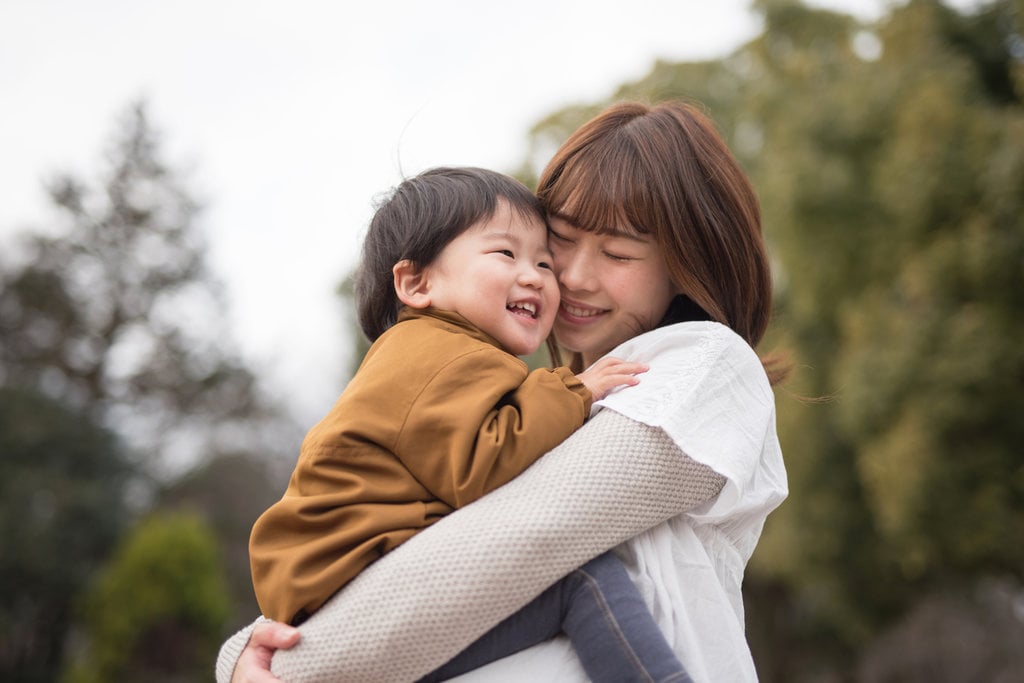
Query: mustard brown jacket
x: 436, y: 416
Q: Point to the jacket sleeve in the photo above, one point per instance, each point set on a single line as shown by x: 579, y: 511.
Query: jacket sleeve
x: 482, y: 420
x: 608, y: 482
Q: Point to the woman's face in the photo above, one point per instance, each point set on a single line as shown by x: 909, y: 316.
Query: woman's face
x: 613, y: 288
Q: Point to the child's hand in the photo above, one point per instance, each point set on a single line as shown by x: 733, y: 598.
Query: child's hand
x: 608, y: 373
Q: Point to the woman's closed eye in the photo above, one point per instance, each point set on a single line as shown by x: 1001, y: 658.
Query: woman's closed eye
x: 558, y: 237
x: 619, y: 257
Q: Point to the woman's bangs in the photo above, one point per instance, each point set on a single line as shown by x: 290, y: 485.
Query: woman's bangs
x: 593, y: 200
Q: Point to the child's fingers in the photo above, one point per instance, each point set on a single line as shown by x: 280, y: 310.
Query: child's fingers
x: 629, y: 378
x: 609, y: 380
x: 620, y: 366
x: 608, y: 373
x: 632, y: 368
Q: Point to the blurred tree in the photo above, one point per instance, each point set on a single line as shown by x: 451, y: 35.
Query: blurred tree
x: 157, y: 612
x: 889, y: 159
x: 112, y: 313
x: 229, y: 492
x: 115, y: 310
x: 61, y: 509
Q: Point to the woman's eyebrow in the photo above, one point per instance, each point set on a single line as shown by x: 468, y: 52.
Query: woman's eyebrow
x: 623, y: 233
x: 629, y: 235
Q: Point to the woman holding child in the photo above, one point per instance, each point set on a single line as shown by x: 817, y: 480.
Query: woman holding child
x: 657, y: 248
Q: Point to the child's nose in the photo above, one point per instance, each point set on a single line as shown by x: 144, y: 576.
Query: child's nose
x: 531, y: 276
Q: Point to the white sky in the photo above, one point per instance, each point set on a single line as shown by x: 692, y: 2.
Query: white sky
x: 293, y: 114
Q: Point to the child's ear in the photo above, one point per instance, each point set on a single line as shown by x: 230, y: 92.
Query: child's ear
x: 411, y: 284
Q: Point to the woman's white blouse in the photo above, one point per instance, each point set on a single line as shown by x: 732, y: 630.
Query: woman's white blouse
x: 706, y: 388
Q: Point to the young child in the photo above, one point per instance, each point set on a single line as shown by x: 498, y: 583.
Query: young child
x: 455, y: 282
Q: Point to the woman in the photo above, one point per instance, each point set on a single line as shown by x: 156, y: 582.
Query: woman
x: 658, y: 251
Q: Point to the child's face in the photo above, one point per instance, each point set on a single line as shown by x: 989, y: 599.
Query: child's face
x: 497, y: 275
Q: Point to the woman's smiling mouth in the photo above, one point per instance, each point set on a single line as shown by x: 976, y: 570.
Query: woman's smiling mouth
x: 578, y: 311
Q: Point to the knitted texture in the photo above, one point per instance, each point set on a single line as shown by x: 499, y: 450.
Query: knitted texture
x: 231, y: 650
x: 424, y: 602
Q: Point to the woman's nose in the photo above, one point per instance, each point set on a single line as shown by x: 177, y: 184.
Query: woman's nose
x: 574, y: 271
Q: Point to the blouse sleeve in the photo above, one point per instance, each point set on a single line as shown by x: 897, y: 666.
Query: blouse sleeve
x: 414, y: 609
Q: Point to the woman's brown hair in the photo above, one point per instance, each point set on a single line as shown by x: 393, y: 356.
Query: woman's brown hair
x: 665, y: 171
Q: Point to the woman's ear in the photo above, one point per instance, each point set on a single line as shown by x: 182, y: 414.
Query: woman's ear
x: 411, y: 284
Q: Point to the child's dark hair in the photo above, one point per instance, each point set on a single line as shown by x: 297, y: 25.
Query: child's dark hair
x: 417, y: 220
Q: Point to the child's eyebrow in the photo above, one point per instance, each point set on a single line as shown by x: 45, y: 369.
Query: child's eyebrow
x: 507, y: 237
x: 502, y: 237
x: 496, y: 235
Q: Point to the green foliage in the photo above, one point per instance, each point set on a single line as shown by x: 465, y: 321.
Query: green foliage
x: 901, y: 243
x: 61, y: 510
x: 156, y: 613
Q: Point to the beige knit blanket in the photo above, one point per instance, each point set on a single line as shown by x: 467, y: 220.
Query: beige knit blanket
x: 414, y: 609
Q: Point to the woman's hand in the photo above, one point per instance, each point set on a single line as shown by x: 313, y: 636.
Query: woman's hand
x: 254, y: 663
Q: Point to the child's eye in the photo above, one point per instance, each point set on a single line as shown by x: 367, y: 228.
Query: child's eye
x: 505, y: 252
x: 544, y: 264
